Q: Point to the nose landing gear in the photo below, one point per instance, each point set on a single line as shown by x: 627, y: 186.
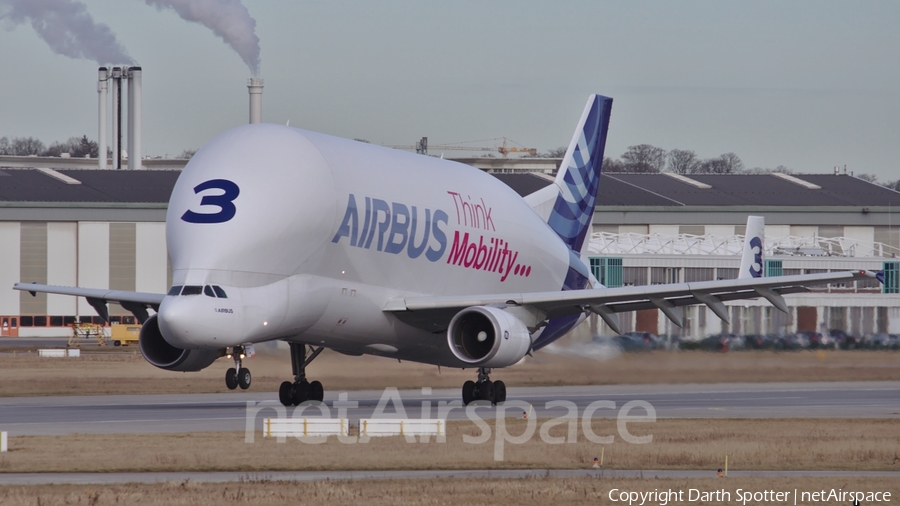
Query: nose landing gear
x: 238, y: 376
x: 484, y: 389
x: 301, y: 390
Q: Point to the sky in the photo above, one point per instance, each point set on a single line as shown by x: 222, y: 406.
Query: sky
x: 809, y: 84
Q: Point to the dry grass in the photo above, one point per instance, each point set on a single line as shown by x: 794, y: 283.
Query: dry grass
x: 817, y: 444
x: 500, y: 492
x: 121, y: 373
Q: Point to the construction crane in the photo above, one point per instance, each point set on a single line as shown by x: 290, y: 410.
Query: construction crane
x: 421, y: 147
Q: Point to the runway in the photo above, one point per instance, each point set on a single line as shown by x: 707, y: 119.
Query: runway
x: 231, y: 411
x: 306, y: 476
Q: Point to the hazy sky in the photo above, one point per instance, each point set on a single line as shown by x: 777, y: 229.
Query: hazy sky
x: 808, y: 85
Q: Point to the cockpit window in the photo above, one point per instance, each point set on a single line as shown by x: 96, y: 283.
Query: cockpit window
x: 192, y: 290
x: 208, y: 291
x: 219, y: 292
x: 175, y: 290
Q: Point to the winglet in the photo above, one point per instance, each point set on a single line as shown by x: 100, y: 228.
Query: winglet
x: 579, y: 174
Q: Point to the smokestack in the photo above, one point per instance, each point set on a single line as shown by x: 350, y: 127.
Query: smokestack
x: 102, y: 87
x: 255, y: 87
x: 117, y: 118
x: 134, y: 118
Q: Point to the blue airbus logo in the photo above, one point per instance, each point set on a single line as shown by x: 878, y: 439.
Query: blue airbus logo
x: 224, y: 201
x: 397, y: 226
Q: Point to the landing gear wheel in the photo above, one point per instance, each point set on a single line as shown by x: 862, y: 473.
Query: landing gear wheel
x: 285, y: 394
x: 300, y: 392
x: 499, y: 392
x: 244, y: 379
x: 486, y: 391
x: 231, y: 380
x: 468, y: 392
x: 316, y: 391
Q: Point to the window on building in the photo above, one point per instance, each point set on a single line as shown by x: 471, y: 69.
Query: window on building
x: 634, y: 276
x: 692, y: 229
x: 693, y: 274
x: 726, y: 273
x: 665, y: 275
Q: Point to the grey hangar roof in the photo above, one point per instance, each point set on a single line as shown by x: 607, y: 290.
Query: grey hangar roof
x: 109, y: 195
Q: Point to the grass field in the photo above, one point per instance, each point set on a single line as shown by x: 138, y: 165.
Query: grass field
x: 499, y: 492
x: 24, y: 374
x: 783, y: 444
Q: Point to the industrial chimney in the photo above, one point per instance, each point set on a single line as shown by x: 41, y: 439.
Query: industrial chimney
x: 134, y: 118
x: 102, y: 88
x: 117, y: 75
x: 255, y: 88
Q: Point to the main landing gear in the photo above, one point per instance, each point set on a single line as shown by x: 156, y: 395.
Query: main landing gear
x: 484, y: 389
x: 237, y: 376
x: 301, y: 390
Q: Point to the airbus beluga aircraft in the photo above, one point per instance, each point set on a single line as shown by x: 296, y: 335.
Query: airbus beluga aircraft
x: 276, y: 233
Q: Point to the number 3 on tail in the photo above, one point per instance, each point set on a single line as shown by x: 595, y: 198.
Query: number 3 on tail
x: 225, y: 202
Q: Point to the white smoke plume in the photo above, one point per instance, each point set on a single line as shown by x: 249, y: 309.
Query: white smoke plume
x: 228, y: 19
x: 67, y: 27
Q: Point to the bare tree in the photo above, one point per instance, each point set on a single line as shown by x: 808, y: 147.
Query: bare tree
x: 732, y: 163
x: 683, y: 161
x: 556, y: 152
x: 644, y: 158
x: 872, y: 178
x: 4, y: 146
x: 893, y: 185
x: 187, y: 154
x: 611, y: 165
x: 25, y: 146
x: 729, y: 163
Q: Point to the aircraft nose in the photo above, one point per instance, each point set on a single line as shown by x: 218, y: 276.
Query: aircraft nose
x: 176, y: 322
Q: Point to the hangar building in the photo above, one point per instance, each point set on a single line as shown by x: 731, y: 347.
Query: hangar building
x: 106, y: 229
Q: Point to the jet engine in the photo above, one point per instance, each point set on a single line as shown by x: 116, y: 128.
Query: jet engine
x: 160, y: 353
x: 488, y: 337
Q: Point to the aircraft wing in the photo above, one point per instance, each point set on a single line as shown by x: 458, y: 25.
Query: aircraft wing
x: 434, y: 313
x: 136, y: 302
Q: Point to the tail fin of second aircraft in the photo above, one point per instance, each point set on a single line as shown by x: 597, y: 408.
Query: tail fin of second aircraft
x: 754, y: 246
x: 579, y: 175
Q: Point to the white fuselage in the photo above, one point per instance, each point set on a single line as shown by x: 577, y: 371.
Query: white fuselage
x: 311, y: 235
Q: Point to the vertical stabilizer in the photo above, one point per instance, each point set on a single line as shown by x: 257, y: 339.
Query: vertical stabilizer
x: 579, y: 175
x: 754, y: 247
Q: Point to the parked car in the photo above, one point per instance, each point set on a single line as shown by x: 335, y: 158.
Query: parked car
x: 637, y: 341
x: 843, y: 340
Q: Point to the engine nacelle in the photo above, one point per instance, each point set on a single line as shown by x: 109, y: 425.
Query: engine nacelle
x: 160, y: 353
x: 488, y: 337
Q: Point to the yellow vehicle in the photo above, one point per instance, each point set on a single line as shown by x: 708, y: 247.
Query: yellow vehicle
x: 123, y: 334
x: 86, y: 331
